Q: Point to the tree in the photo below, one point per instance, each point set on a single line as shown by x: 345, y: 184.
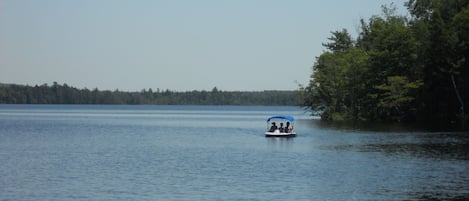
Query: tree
x: 446, y: 59
x: 399, y: 68
x: 397, y: 97
x: 337, y: 84
x: 341, y: 41
x: 64, y: 94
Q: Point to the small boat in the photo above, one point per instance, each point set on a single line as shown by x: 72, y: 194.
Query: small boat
x: 275, y: 131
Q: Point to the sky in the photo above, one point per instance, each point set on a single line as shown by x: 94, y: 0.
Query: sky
x: 181, y: 45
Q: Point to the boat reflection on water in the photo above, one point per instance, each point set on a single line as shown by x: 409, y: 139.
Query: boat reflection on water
x: 280, y: 143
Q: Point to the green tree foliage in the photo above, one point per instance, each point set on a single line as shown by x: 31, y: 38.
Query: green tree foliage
x: 399, y: 68
x: 64, y: 94
x: 396, y: 97
x: 336, y: 84
x: 340, y: 41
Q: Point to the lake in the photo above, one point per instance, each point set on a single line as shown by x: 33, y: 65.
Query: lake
x: 107, y: 152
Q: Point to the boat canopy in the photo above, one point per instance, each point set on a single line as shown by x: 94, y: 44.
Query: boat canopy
x: 289, y: 118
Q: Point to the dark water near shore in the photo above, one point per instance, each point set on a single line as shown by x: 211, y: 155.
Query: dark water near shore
x: 77, y: 152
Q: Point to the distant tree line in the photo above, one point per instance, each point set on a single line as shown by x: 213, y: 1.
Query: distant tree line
x: 65, y: 94
x: 400, y: 68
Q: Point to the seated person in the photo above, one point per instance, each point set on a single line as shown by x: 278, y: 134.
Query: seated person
x: 273, y: 127
x: 282, y: 129
x: 288, y: 128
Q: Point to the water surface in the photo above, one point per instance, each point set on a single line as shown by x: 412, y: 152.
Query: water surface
x: 89, y: 152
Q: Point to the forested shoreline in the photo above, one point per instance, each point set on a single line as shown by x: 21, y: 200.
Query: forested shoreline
x: 65, y: 94
x: 399, y: 69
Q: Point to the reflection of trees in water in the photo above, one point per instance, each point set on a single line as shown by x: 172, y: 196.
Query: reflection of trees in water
x: 433, y: 145
x: 380, y: 126
x: 438, y: 151
x: 432, y: 196
x: 365, y: 126
x: 430, y: 184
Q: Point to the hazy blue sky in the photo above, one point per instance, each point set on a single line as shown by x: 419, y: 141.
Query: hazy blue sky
x: 171, y: 44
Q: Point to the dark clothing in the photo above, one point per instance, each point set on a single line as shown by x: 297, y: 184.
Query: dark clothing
x: 273, y: 128
x: 281, y: 129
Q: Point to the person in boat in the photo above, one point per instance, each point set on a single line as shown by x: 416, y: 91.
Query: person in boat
x: 288, y: 128
x: 273, y: 127
x: 281, y: 128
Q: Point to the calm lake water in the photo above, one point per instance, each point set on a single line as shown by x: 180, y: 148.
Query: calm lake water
x: 89, y: 152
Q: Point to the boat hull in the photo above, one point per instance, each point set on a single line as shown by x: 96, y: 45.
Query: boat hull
x: 277, y: 134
